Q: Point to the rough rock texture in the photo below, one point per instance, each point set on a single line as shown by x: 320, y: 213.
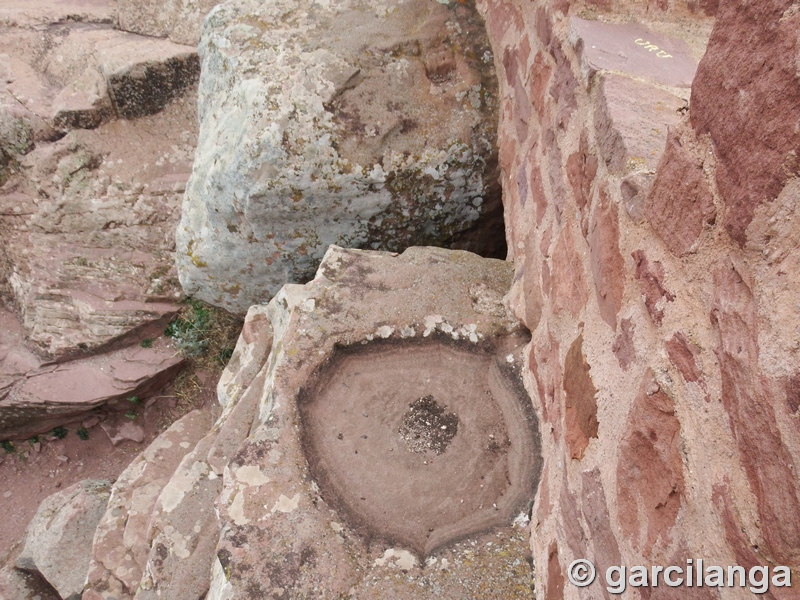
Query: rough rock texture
x: 656, y: 239
x: 86, y: 216
x: 89, y: 200
x: 36, y: 396
x: 368, y: 125
x: 58, y: 541
x: 249, y: 511
x: 120, y: 547
x: 178, y: 20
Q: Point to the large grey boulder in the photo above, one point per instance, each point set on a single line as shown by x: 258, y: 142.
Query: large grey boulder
x: 367, y: 125
x: 178, y: 20
x: 58, y: 542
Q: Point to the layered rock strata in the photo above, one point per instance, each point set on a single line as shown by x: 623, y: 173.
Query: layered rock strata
x: 366, y: 125
x: 653, y: 229
x: 97, y: 131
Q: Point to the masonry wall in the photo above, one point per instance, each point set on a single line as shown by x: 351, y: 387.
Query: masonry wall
x: 652, y: 217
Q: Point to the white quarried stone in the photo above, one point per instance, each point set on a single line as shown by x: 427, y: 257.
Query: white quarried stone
x: 343, y: 123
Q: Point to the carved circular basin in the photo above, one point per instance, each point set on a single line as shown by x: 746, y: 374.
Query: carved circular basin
x: 420, y: 443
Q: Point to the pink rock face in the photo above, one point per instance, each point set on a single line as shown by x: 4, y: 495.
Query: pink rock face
x: 634, y: 118
x: 594, y: 505
x: 568, y: 280
x: 752, y: 111
x: 684, y: 355
x: 650, y: 479
x: 40, y: 398
x: 651, y: 278
x: 748, y: 399
x: 555, y: 577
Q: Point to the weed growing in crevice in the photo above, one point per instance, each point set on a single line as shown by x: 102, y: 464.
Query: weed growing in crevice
x: 204, y: 334
x: 205, y: 337
x: 59, y: 432
x: 83, y: 433
x: 8, y: 446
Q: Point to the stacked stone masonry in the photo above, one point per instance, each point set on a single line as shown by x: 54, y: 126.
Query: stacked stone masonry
x: 652, y: 212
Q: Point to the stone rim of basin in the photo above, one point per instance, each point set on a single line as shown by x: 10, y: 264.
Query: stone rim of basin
x: 353, y: 412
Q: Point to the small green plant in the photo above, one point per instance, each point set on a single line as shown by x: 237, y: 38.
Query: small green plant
x: 132, y: 415
x: 135, y: 400
x: 8, y: 447
x: 59, y: 432
x: 224, y: 355
x: 146, y: 343
x: 83, y: 433
x: 190, y: 328
x: 33, y: 440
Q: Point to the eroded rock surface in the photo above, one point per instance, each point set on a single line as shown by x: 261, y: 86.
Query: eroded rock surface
x: 89, y: 199
x: 36, y: 396
x: 247, y: 508
x: 363, y: 125
x: 58, y: 541
x: 178, y: 20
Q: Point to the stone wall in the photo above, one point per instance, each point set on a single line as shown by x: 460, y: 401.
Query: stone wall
x: 654, y: 246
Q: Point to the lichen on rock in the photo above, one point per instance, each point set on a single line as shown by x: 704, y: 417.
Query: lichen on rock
x: 366, y: 125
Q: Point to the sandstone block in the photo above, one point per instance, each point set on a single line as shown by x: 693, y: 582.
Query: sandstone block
x: 251, y: 352
x: 650, y: 478
x: 756, y: 142
x: 144, y: 74
x: 580, y: 402
x: 381, y: 137
x: 183, y: 530
x: 42, y: 397
x: 121, y: 544
x: 58, y: 540
x: 608, y: 269
x: 680, y: 205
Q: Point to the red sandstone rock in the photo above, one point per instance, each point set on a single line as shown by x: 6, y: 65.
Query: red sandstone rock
x: 555, y: 575
x: 581, y: 172
x: 651, y: 278
x: 580, y: 404
x: 58, y: 541
x: 650, y: 480
x: 684, y: 354
x: 747, y: 99
x: 680, y: 204
x: 748, y: 399
x: 568, y: 280
x: 606, y: 260
x: 594, y: 505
